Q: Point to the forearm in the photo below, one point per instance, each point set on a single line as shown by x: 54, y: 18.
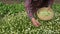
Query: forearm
x: 30, y: 13
x: 29, y: 9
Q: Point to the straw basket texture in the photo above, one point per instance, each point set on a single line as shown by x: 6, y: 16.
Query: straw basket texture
x: 45, y: 14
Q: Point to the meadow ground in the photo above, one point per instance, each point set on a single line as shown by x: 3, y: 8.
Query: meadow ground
x: 14, y: 20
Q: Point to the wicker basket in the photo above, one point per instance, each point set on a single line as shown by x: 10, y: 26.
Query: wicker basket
x: 45, y: 14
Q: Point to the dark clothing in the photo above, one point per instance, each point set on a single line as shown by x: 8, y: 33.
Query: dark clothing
x: 33, y: 5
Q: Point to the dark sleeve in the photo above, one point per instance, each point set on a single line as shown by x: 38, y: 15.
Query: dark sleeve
x: 29, y: 8
x: 51, y: 2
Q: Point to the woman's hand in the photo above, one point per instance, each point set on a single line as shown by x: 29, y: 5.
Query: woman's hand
x: 35, y: 22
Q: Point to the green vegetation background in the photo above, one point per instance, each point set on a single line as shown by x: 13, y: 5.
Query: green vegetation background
x: 14, y: 20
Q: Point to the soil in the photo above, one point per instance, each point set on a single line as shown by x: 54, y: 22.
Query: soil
x: 57, y: 1
x: 19, y: 1
x: 10, y: 1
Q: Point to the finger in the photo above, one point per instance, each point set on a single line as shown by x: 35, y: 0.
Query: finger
x: 38, y: 23
x: 35, y: 24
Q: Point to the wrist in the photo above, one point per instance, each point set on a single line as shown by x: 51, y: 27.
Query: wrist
x: 32, y: 19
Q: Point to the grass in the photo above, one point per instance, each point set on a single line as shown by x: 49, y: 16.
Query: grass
x: 18, y: 22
